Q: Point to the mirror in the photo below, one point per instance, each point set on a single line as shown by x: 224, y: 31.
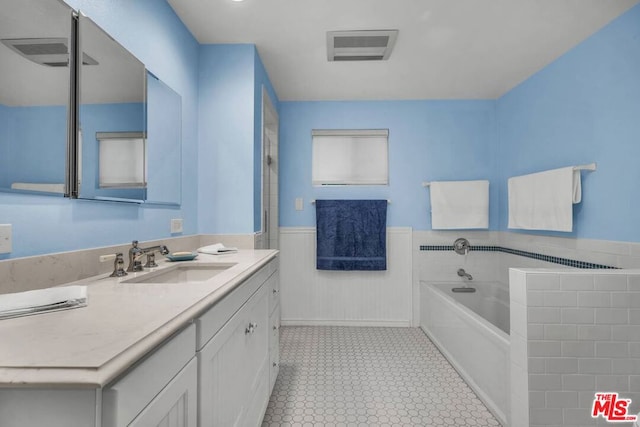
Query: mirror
x: 164, y: 147
x: 130, y: 126
x: 112, y: 110
x: 34, y: 95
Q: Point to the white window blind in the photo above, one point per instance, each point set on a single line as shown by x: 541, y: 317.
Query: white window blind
x: 122, y: 159
x: 350, y: 157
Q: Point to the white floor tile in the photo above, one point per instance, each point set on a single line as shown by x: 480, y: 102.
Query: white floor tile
x: 367, y: 377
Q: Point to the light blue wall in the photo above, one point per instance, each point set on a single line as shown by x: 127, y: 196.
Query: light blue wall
x: 30, y: 130
x: 584, y: 107
x: 231, y: 80
x: 225, y: 161
x: 150, y: 30
x: 428, y: 140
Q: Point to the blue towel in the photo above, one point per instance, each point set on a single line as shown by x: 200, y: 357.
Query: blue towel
x: 351, y: 234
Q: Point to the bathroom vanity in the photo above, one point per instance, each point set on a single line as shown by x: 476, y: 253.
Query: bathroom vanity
x: 185, y: 344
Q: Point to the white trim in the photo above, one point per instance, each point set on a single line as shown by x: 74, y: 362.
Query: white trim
x: 350, y: 132
x: 329, y: 322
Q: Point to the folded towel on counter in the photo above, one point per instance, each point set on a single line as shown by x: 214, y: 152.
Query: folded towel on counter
x: 37, y: 186
x: 42, y: 301
x: 544, y: 200
x: 351, y: 235
x: 217, y: 249
x: 459, y: 204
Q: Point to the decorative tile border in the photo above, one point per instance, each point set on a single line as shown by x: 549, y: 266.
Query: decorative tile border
x: 548, y: 258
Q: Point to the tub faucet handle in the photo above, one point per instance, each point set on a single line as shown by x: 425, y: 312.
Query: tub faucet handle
x: 464, y: 274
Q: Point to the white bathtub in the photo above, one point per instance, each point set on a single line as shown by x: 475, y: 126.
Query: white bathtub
x: 471, y: 330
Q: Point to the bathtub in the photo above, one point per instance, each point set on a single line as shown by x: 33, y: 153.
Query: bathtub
x: 471, y: 330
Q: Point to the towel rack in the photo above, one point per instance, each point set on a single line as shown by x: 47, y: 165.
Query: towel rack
x: 313, y: 201
x: 587, y: 167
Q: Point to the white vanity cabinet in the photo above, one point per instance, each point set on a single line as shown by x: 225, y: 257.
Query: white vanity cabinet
x: 233, y: 365
x: 159, y: 391
x: 218, y: 369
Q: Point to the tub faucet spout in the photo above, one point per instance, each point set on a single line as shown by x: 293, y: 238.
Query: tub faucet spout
x: 464, y: 274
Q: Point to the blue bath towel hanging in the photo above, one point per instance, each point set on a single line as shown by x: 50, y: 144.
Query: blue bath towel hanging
x: 351, y: 234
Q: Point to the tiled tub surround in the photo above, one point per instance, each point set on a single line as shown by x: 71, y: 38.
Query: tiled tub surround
x: 573, y: 334
x: 493, y: 266
x: 43, y: 271
x: 458, y: 322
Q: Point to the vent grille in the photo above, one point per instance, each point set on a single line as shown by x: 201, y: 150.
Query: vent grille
x: 368, y: 45
x: 42, y: 48
x: 51, y: 52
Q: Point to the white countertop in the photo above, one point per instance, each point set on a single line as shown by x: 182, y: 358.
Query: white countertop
x: 90, y: 346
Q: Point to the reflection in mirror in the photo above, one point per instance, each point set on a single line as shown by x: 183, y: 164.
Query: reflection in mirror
x: 112, y: 118
x: 164, y: 148
x: 34, y: 95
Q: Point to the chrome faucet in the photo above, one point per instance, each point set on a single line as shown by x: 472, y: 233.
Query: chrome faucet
x: 464, y: 274
x: 135, y: 253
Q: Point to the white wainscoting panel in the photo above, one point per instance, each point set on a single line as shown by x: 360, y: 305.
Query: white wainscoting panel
x: 357, y: 298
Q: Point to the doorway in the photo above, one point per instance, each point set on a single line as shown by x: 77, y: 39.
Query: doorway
x: 270, y: 231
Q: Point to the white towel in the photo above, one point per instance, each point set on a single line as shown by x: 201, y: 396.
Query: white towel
x: 544, y: 200
x: 42, y: 301
x: 36, y: 186
x: 459, y: 204
x: 217, y: 249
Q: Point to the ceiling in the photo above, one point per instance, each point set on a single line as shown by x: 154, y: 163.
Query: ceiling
x: 446, y: 49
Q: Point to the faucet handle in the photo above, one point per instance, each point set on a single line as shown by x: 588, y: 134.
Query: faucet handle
x: 151, y: 260
x: 118, y: 264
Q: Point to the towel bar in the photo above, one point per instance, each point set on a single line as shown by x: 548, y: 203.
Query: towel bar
x: 313, y: 201
x: 587, y: 167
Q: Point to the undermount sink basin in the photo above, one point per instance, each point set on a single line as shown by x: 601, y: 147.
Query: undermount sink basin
x: 182, y: 273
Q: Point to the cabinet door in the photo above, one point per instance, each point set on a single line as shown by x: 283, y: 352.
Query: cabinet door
x: 229, y: 365
x: 175, y: 406
x: 274, y: 347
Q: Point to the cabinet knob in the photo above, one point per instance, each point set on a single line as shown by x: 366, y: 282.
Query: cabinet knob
x: 275, y: 291
x: 275, y: 364
x: 275, y: 328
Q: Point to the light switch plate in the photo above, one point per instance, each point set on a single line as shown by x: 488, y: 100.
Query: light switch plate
x: 5, y: 238
x: 299, y: 205
x: 176, y: 225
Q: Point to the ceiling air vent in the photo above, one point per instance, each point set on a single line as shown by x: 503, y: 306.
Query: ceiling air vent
x: 368, y: 45
x: 52, y: 52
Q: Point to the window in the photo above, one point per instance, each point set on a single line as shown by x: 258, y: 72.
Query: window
x: 350, y: 157
x: 122, y: 159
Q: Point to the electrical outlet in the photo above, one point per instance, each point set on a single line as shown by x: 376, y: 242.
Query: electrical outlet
x: 176, y: 225
x: 299, y: 205
x: 5, y: 239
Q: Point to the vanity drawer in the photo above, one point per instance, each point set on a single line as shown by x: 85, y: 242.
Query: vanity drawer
x: 124, y: 399
x: 210, y: 322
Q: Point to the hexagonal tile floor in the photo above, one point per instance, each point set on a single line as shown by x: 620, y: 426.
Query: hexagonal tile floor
x: 367, y: 377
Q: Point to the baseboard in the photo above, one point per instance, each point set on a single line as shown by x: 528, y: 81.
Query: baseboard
x: 377, y: 323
